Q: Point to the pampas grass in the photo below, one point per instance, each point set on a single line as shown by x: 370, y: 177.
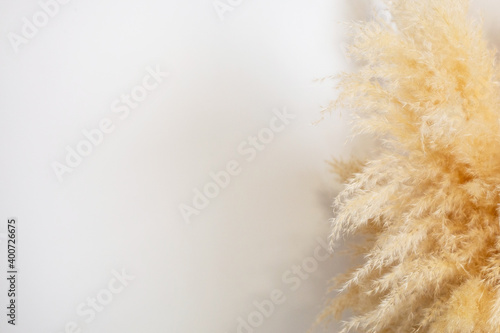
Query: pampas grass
x: 428, y: 89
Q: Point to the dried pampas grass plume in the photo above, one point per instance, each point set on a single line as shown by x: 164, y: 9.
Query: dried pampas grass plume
x: 428, y: 88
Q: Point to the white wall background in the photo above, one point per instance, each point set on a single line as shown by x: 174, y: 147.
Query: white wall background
x: 120, y: 207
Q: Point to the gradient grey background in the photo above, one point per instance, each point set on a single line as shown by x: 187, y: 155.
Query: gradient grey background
x: 119, y: 209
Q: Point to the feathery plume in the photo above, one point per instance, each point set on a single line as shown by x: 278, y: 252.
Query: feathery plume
x: 428, y: 89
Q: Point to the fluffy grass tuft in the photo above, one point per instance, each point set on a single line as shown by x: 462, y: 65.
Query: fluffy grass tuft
x: 428, y: 89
